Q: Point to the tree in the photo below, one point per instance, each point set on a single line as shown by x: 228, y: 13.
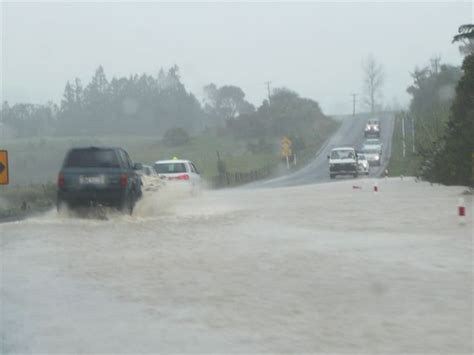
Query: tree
x: 291, y: 114
x: 464, y: 32
x: 432, y: 92
x: 373, y: 82
x: 175, y: 137
x: 28, y: 120
x: 466, y: 36
x: 226, y: 102
x: 452, y: 161
x: 96, y: 102
x: 70, y: 116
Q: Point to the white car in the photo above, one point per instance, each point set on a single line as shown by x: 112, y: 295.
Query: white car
x: 343, y: 161
x: 373, y: 141
x: 180, y: 171
x: 147, y: 170
x: 363, y: 164
x: 373, y: 153
x: 150, y: 179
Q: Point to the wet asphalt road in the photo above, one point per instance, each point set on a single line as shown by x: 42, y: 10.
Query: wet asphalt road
x: 350, y: 133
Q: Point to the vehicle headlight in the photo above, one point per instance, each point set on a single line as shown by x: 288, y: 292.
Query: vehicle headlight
x: 377, y: 157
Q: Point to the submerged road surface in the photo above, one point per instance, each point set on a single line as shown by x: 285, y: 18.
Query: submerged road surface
x: 313, y: 268
x: 300, y: 268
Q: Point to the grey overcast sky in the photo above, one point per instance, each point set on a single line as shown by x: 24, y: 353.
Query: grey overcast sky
x: 313, y: 48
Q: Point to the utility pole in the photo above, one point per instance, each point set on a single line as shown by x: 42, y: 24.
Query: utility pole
x: 413, y: 132
x: 403, y: 134
x: 435, y: 63
x: 354, y: 104
x: 268, y: 90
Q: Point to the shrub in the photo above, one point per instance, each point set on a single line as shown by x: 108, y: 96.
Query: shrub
x: 176, y: 137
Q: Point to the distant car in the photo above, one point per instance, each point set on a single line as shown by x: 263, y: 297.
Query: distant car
x: 373, y: 141
x: 147, y: 170
x: 372, y: 145
x: 150, y: 179
x: 363, y: 164
x: 372, y: 129
x: 102, y: 176
x: 178, y: 170
x: 373, y: 153
x: 343, y: 161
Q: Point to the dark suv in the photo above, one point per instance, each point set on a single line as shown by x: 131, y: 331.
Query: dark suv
x: 99, y: 176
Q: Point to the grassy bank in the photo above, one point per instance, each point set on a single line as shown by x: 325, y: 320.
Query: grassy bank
x: 37, y: 161
x: 15, y: 201
x: 407, y: 165
x: 34, y: 163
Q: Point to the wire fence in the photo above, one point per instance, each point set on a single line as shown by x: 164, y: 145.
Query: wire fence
x: 227, y: 179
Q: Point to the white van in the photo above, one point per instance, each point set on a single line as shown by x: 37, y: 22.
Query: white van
x: 343, y: 161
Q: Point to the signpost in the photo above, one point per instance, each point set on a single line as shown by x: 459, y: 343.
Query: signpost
x: 472, y: 166
x: 4, y: 167
x: 286, y: 151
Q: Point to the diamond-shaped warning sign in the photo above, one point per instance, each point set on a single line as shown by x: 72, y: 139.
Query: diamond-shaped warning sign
x: 3, y: 167
x: 285, y: 145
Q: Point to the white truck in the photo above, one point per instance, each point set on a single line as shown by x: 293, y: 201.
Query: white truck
x: 343, y: 161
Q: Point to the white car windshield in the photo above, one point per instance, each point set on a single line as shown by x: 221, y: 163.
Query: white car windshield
x: 342, y: 154
x: 371, y: 151
x: 371, y: 147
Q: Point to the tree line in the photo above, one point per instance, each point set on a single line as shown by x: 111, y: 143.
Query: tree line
x: 137, y: 104
x: 442, y: 107
x: 154, y: 105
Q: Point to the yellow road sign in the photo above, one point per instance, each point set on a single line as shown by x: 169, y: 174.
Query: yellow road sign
x: 286, y: 141
x: 285, y: 144
x: 286, y: 152
x: 3, y: 167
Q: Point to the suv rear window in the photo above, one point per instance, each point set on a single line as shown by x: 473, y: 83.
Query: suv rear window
x: 170, y: 168
x: 92, y: 158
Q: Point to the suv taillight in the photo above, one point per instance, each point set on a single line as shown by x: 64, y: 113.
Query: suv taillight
x: 123, y: 180
x: 61, y: 181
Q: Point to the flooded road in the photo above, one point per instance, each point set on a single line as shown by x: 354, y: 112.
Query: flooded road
x: 315, y: 268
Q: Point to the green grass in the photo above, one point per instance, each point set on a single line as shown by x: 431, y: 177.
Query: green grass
x: 34, y: 163
x: 37, y: 161
x: 399, y: 165
x: 18, y: 200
